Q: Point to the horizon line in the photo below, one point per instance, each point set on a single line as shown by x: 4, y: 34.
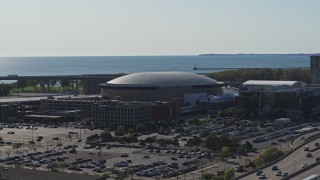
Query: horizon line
x: 204, y: 54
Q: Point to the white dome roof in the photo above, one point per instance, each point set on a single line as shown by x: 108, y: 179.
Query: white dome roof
x: 158, y: 79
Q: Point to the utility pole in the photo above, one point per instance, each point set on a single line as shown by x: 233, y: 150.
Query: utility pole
x: 80, y: 132
x: 32, y: 134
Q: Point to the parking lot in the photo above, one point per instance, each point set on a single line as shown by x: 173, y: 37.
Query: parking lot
x: 60, y: 148
x: 64, y: 149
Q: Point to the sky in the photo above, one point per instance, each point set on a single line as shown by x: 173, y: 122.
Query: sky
x: 157, y: 27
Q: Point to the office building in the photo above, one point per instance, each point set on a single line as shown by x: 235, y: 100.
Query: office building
x: 315, y: 69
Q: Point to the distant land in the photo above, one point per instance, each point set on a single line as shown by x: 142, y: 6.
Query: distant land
x: 295, y: 54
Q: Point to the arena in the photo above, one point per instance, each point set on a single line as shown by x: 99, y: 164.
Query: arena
x: 159, y: 86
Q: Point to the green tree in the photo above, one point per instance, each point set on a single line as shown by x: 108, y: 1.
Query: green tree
x: 194, y: 141
x: 225, y: 152
x: 175, y: 142
x: 106, y: 136
x: 241, y: 75
x: 162, y: 130
x: 65, y: 84
x: 229, y: 175
x: 119, y: 131
x: 247, y: 147
x: 268, y: 156
x: 211, y: 141
x: 121, y: 176
x: 12, y: 119
x: 141, y: 128
x: 130, y: 130
x: 22, y: 83
x: 16, y: 145
x: 5, y: 89
x: 215, y: 142
x: 86, y: 121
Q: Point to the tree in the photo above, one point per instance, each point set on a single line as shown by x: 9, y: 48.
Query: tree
x: 119, y: 131
x: 64, y: 84
x: 86, y: 121
x: 7, y: 152
x: 194, y: 141
x: 130, y: 130
x: 247, y: 147
x: 229, y: 175
x: 215, y: 142
x: 22, y: 83
x: 34, y: 84
x: 268, y: 156
x: 121, y: 176
x: 52, y: 83
x: 141, y: 128
x: 178, y: 130
x: 12, y: 119
x: 5, y: 89
x: 175, y: 142
x: 16, y: 145
x: 106, y: 136
x: 211, y: 141
x: 241, y: 75
x: 162, y: 130
x: 225, y: 152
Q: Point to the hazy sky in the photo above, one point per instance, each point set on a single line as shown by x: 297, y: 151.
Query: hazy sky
x: 158, y: 27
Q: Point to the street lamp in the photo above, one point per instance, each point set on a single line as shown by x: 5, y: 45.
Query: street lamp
x: 294, y: 157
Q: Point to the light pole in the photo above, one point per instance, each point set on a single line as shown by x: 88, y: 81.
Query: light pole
x: 32, y: 134
x: 294, y: 158
x: 201, y: 169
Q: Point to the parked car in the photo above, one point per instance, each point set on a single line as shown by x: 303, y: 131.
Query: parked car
x: 72, y: 150
x: 174, y: 158
x: 124, y: 155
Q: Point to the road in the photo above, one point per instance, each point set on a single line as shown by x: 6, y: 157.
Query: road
x: 315, y: 170
x: 293, y: 162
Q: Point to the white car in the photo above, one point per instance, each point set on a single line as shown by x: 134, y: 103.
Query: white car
x: 262, y: 176
x: 279, y: 173
x: 304, y: 165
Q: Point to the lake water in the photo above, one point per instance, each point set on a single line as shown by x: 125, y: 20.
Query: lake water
x: 131, y: 64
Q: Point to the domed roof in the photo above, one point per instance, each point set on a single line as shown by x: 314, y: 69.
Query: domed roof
x: 158, y: 79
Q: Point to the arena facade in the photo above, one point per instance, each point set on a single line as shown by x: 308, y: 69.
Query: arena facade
x: 159, y: 86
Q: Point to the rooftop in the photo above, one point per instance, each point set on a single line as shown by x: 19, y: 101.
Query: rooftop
x: 273, y: 83
x: 151, y: 79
